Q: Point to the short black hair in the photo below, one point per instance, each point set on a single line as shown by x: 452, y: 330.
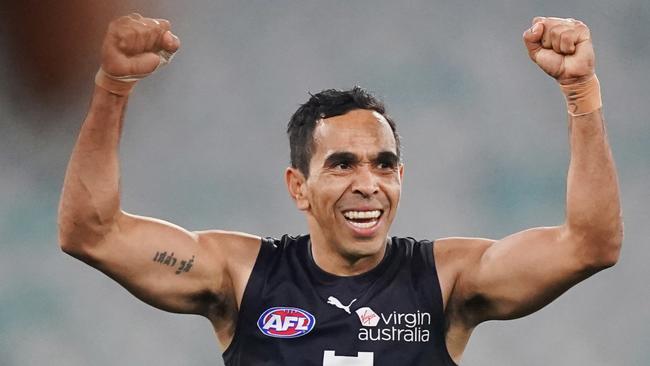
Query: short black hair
x: 328, y: 103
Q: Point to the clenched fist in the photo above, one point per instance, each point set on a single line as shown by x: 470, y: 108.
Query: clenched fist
x: 133, y: 48
x: 562, y: 48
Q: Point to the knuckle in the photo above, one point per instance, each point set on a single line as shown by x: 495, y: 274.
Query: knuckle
x: 566, y: 43
x: 123, y: 44
x: 556, y: 31
x: 129, y: 32
x: 566, y: 36
x: 125, y: 37
x: 152, y: 25
x: 583, y: 27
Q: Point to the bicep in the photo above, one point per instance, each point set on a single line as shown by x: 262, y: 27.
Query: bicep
x: 518, y: 274
x: 162, y: 264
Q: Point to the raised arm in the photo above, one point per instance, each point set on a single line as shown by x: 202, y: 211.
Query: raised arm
x: 161, y: 263
x: 523, y: 272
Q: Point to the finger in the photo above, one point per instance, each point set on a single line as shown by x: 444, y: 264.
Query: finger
x: 131, y: 33
x: 128, y: 36
x: 568, y: 40
x: 554, y: 36
x: 552, y: 21
x: 583, y: 32
x: 169, y: 42
x: 164, y: 23
x: 145, y: 35
x: 153, y: 32
x: 144, y: 63
x: 532, y: 39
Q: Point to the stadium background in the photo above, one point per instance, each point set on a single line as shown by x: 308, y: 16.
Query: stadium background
x: 485, y: 146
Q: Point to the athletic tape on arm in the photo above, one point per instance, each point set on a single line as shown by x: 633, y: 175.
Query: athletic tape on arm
x: 583, y: 98
x: 123, y: 85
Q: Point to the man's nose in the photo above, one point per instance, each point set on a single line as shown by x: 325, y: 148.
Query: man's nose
x: 365, y: 182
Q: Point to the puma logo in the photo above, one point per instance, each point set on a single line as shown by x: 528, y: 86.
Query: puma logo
x: 334, y: 301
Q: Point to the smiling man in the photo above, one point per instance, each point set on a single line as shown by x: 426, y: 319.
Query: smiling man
x: 349, y: 187
x: 347, y: 293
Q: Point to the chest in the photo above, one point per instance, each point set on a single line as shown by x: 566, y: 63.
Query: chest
x: 296, y: 319
x: 294, y: 314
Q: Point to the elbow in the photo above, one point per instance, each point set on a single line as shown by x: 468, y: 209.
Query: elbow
x: 71, y: 244
x: 82, y: 225
x: 597, y: 238
x: 79, y: 241
x: 601, y: 250
x: 66, y: 238
x: 607, y: 257
x: 78, y: 248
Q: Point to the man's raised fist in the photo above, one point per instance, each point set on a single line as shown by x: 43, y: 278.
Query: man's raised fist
x: 562, y: 48
x: 134, y: 45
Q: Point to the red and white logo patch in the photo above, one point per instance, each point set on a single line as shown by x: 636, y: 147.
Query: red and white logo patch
x: 286, y: 322
x: 367, y: 317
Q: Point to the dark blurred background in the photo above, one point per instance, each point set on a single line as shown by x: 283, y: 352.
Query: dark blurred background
x: 485, y: 145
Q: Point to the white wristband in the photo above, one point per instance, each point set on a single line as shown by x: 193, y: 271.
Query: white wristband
x: 123, y: 85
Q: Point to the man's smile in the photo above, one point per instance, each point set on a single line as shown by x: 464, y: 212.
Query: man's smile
x: 364, y: 222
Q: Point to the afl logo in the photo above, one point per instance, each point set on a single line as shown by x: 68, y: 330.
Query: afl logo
x: 285, y: 322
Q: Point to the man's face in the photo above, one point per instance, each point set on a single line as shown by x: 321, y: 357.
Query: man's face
x: 354, y: 183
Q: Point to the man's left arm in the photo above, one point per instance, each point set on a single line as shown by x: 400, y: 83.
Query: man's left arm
x: 523, y: 272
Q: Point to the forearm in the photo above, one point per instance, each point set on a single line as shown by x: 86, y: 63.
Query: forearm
x: 593, y: 203
x: 90, y: 200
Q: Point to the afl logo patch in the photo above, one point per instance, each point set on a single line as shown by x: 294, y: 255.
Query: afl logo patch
x: 286, y: 322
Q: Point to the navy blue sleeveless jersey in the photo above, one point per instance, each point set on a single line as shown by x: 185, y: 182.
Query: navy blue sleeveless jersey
x: 294, y: 313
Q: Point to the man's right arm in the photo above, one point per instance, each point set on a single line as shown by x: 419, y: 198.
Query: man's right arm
x: 162, y: 264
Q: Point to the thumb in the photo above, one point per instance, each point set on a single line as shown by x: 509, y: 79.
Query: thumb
x: 170, y: 42
x: 533, y: 39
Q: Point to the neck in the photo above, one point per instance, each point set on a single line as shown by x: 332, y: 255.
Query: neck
x: 330, y: 258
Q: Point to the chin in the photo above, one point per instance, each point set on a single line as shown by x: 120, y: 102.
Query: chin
x: 365, y: 247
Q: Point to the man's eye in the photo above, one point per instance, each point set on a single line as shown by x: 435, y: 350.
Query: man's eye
x: 343, y: 166
x: 385, y: 166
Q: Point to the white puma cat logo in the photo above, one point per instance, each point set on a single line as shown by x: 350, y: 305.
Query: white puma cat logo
x: 334, y: 301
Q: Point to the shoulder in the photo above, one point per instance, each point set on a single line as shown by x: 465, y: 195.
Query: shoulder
x: 236, y: 252
x: 454, y: 257
x: 235, y: 249
x: 459, y: 251
x: 233, y: 253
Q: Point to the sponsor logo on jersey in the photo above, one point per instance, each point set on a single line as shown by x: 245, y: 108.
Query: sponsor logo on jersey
x: 394, y: 326
x: 286, y: 322
x: 336, y: 302
x: 367, y: 317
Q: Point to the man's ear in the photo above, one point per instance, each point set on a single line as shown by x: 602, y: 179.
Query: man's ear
x: 401, y: 172
x: 297, y: 186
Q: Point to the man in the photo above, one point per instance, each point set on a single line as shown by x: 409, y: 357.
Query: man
x: 346, y: 294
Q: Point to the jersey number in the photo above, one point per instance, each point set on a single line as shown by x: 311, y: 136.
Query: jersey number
x: 362, y: 359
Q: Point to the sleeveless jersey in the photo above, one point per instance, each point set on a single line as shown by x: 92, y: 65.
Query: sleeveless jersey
x: 294, y: 313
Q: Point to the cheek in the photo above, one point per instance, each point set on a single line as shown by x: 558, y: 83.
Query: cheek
x: 325, y: 193
x: 393, y: 188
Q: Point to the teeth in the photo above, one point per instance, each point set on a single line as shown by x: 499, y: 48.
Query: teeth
x: 362, y: 214
x: 363, y: 225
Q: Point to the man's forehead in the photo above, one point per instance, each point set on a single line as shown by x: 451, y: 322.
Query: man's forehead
x: 359, y: 126
x: 357, y: 115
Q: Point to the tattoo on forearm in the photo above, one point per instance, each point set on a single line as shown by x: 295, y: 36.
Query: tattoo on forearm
x: 169, y: 260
